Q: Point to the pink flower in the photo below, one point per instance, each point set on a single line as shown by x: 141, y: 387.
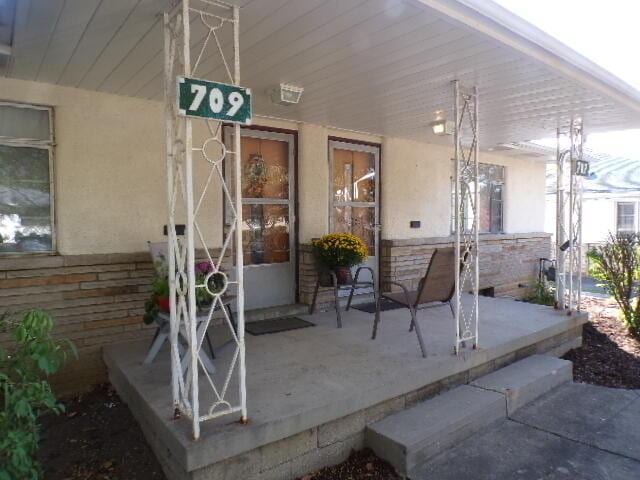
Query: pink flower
x: 204, y: 267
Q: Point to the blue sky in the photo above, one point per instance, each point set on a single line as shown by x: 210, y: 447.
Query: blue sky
x: 605, y: 31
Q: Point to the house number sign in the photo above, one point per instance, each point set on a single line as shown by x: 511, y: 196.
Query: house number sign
x: 220, y: 101
x: 581, y: 168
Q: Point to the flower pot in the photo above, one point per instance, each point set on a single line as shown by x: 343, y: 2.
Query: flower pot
x: 163, y: 304
x: 343, y: 275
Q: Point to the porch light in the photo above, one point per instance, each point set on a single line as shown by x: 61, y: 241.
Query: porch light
x: 442, y: 127
x: 286, y: 94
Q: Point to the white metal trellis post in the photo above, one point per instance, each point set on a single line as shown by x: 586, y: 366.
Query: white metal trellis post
x: 569, y: 223
x: 466, y: 155
x: 238, y: 229
x: 197, y: 379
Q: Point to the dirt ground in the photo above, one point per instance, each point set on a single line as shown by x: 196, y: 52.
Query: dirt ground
x: 361, y: 465
x: 96, y: 438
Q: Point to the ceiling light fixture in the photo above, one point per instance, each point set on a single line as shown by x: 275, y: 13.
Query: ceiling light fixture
x: 442, y: 127
x: 286, y: 94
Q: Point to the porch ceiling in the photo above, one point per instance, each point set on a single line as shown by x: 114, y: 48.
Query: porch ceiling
x: 378, y: 66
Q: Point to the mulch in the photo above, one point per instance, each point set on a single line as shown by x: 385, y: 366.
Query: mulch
x: 96, y: 438
x: 361, y: 465
x: 609, y: 356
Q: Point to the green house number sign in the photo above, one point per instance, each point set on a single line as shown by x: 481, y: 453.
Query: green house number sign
x: 220, y: 101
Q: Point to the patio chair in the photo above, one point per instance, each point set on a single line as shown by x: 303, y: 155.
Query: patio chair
x: 435, y: 288
x: 327, y: 278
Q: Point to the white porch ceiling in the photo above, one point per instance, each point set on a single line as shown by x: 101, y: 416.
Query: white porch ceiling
x: 378, y: 66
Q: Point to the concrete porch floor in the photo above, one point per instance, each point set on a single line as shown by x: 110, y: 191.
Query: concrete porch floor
x: 302, y: 379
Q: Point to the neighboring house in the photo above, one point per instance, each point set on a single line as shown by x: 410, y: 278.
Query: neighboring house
x: 611, y: 198
x: 83, y: 189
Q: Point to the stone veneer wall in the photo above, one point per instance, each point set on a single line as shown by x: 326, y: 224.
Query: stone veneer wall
x: 95, y: 300
x: 506, y: 261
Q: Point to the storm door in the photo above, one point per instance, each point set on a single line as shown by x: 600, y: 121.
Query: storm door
x: 354, y: 196
x: 268, y: 218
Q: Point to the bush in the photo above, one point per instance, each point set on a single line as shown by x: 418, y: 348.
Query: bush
x: 616, y: 263
x: 24, y: 393
x: 542, y: 294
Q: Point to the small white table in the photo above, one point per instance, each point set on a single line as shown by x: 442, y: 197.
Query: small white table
x: 162, y: 335
x: 163, y: 321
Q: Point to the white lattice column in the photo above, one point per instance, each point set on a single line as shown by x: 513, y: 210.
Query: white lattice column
x: 466, y: 215
x: 201, y: 385
x: 570, y: 171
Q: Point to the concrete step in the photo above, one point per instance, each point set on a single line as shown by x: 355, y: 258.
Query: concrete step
x: 526, y: 380
x: 412, y: 436
x: 409, y: 438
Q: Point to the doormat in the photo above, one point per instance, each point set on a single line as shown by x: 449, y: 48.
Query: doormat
x: 275, y: 325
x: 371, y: 306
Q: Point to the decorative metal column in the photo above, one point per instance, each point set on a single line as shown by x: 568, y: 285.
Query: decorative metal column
x: 202, y: 389
x: 466, y: 215
x: 570, y: 170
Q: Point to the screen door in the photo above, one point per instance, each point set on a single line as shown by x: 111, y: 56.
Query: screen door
x: 354, y: 197
x: 267, y: 218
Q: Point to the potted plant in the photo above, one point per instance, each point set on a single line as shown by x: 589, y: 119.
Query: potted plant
x: 215, y: 282
x: 159, y: 299
x: 339, y: 252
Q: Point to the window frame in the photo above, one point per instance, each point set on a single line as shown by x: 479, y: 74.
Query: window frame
x: 635, y: 228
x: 503, y: 184
x: 48, y: 145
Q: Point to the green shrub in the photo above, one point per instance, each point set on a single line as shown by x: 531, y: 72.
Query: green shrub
x: 541, y: 293
x: 24, y: 392
x: 616, y: 264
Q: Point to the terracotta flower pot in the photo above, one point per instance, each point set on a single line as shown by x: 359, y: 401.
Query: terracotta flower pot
x: 163, y: 304
x: 343, y: 275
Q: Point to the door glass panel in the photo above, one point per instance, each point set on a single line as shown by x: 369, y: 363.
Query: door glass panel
x: 265, y: 169
x: 357, y: 220
x: 265, y: 234
x: 353, y: 176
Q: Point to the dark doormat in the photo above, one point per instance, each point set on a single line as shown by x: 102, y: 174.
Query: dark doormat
x: 371, y: 306
x: 275, y: 325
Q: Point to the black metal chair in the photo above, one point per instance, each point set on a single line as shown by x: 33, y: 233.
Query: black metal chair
x: 327, y: 278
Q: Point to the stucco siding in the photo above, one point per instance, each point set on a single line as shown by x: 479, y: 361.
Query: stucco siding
x: 110, y: 176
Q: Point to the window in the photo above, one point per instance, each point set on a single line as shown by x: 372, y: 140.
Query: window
x: 26, y: 202
x: 626, y: 217
x: 490, y: 193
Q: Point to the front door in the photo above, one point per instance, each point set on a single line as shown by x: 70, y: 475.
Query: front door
x: 354, y: 196
x: 268, y: 217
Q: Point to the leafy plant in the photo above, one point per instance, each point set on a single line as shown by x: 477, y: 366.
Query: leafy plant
x: 215, y: 283
x: 24, y: 392
x: 159, y: 289
x: 339, y: 250
x: 616, y: 263
x: 542, y: 294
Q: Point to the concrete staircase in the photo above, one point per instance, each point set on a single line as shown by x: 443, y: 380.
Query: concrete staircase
x: 412, y: 436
